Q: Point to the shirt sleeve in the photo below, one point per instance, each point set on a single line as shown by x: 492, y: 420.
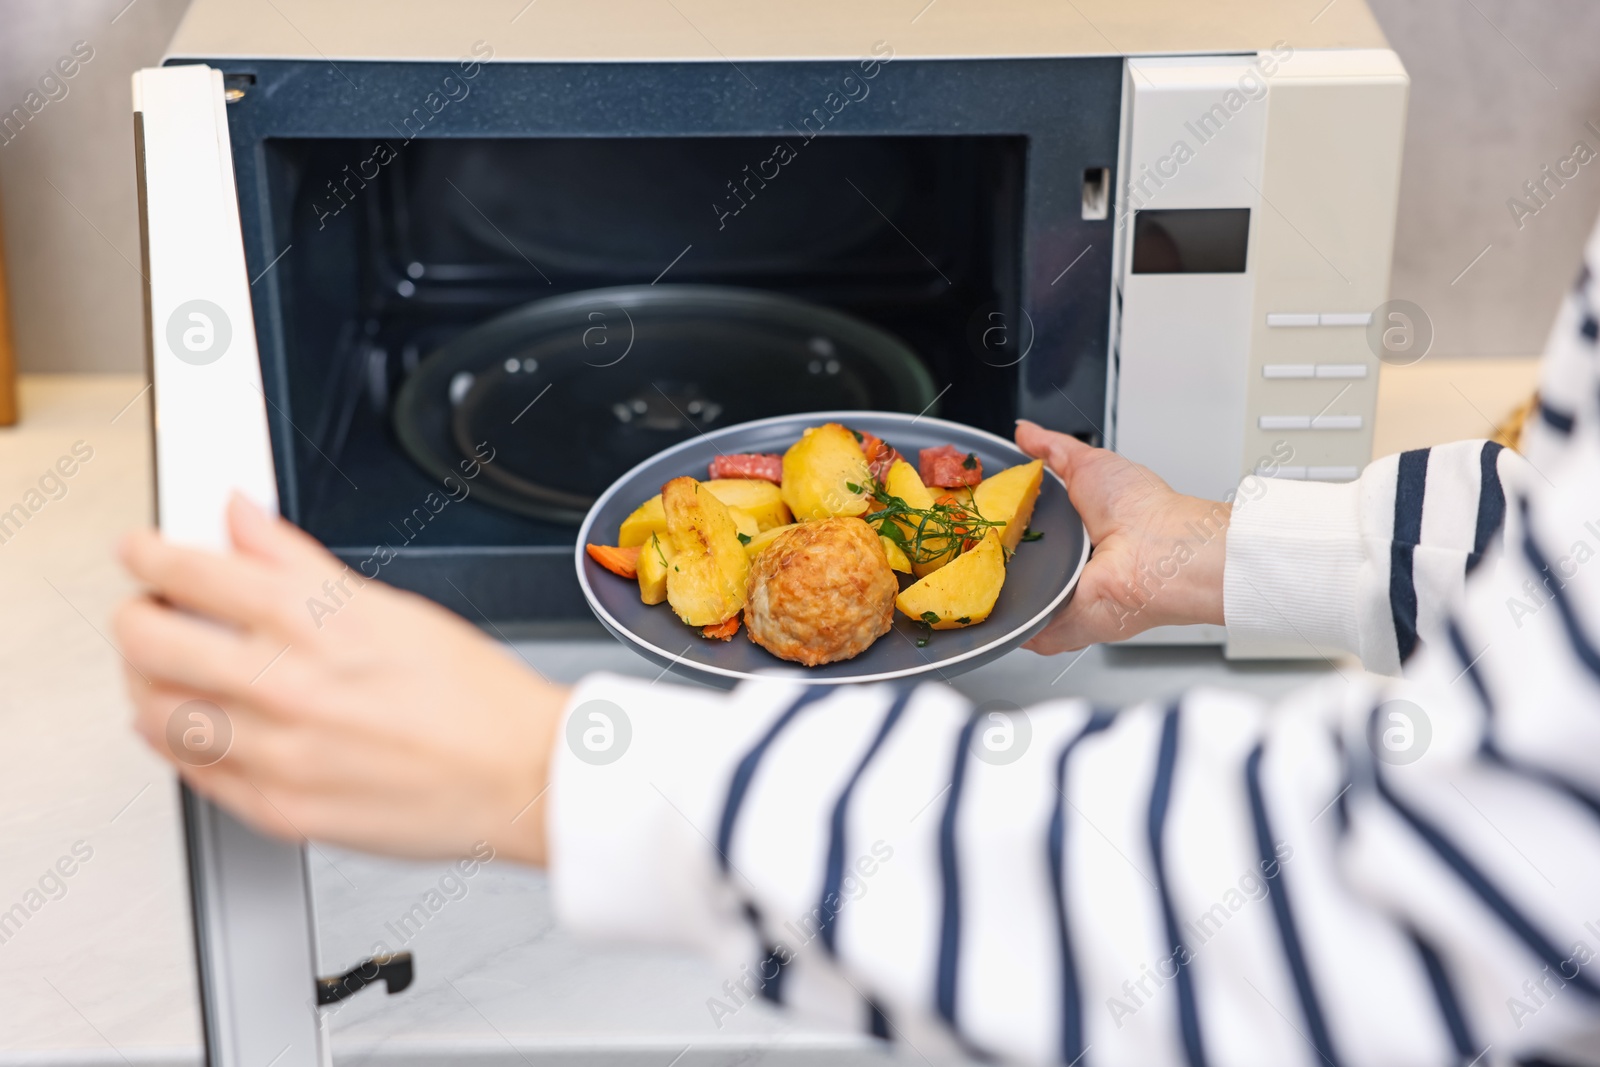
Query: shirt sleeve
x: 1369, y: 568
x: 1372, y: 871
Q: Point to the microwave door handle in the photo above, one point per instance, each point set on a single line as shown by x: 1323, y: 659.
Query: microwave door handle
x: 253, y: 925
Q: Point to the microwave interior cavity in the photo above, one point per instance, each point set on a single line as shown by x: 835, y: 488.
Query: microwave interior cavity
x: 413, y: 247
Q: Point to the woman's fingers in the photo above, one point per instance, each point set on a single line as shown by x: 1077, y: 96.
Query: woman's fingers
x: 1056, y: 449
x: 226, y: 786
x: 173, y: 648
x: 193, y: 729
x: 263, y: 585
x: 1092, y: 483
x: 273, y: 540
x: 231, y: 588
x: 315, y: 780
x: 198, y: 731
x: 155, y: 711
x: 1064, y: 632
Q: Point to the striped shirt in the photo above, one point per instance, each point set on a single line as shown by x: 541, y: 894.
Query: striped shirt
x: 1374, y: 870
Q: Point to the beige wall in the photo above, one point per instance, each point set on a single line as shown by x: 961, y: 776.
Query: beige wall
x: 71, y: 229
x: 1496, y: 95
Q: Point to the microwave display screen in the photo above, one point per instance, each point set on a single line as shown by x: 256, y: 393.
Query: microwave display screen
x: 1194, y: 241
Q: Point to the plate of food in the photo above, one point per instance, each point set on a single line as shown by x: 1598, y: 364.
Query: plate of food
x: 850, y: 546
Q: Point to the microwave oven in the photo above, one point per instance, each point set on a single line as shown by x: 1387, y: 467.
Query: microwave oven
x: 1163, y: 227
x: 1163, y: 230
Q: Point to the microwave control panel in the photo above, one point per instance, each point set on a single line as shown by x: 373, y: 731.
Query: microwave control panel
x: 1255, y: 227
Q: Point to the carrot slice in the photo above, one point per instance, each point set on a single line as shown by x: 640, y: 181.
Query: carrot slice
x: 880, y: 455
x: 623, y: 562
x: 722, y: 631
x: 957, y: 530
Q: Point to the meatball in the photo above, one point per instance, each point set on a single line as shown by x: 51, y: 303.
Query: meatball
x: 821, y: 592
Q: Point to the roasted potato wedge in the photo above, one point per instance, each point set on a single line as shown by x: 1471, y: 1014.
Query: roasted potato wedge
x: 708, y: 569
x: 1009, y: 497
x: 896, y: 555
x: 904, y: 482
x: 744, y: 523
x: 762, y: 500
x: 760, y: 541
x: 961, y: 593
x: 653, y: 566
x: 648, y: 519
x: 818, y: 471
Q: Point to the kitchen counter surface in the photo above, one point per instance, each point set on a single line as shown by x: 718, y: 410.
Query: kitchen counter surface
x: 100, y: 971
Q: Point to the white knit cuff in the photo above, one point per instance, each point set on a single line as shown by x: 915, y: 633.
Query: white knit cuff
x: 1292, y: 584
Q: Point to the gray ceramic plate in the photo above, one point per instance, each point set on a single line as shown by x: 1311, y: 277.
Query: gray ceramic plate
x: 1039, y: 578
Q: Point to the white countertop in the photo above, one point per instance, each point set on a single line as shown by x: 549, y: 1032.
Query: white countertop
x: 110, y: 961
x: 104, y: 973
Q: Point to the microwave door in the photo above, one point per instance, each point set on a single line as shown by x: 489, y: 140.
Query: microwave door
x: 253, y: 927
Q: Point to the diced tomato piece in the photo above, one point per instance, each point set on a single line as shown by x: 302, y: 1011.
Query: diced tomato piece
x: 948, y: 467
x: 767, y: 466
x: 880, y: 456
x: 722, y: 631
x: 623, y: 562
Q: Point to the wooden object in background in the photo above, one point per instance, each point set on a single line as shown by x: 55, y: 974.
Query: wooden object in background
x: 8, y: 354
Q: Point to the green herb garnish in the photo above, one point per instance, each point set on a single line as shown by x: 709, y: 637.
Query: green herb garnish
x: 970, y: 463
x: 1030, y: 534
x: 965, y: 620
x: 859, y: 438
x: 930, y: 618
x: 744, y: 539
x: 853, y: 487
x: 926, y: 534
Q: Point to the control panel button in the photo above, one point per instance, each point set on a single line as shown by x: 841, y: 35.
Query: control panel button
x: 1310, y: 422
x: 1332, y: 474
x: 1341, y: 370
x: 1315, y: 318
x: 1289, y: 370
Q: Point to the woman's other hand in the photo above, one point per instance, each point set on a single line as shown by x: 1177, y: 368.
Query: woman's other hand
x: 1157, y: 556
x: 350, y: 711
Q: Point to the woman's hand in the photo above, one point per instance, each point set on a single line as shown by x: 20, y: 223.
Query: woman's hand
x: 350, y: 711
x: 1157, y: 557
